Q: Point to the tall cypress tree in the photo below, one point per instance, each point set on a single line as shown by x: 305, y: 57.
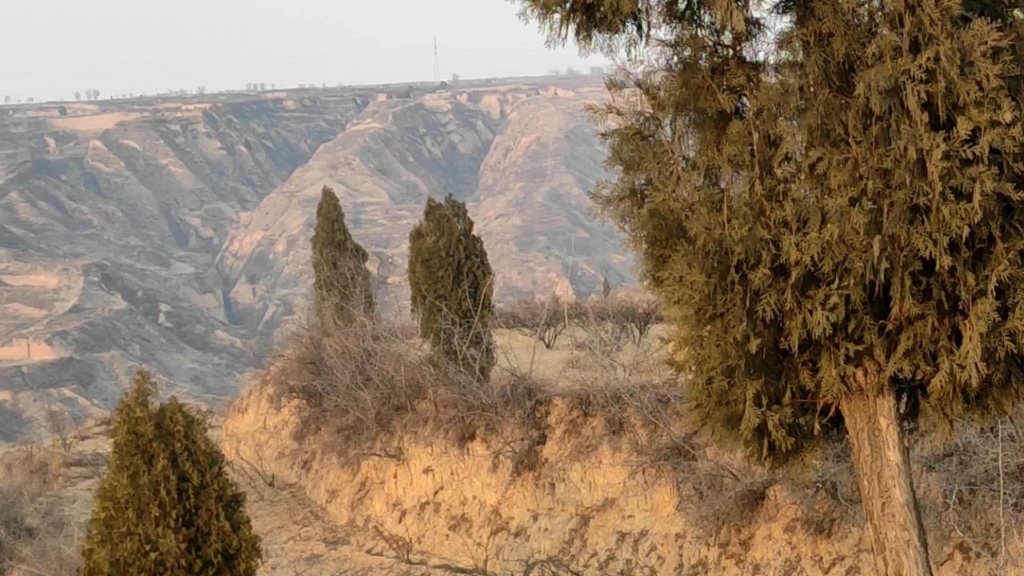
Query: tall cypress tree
x: 341, y: 285
x: 166, y: 506
x: 837, y: 222
x: 452, y: 285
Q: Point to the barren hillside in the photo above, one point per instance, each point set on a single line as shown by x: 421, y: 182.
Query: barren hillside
x: 174, y: 234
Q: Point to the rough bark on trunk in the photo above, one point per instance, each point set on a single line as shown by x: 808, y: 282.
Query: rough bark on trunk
x: 882, y: 460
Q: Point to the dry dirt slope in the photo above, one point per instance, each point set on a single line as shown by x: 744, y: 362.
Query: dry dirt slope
x: 599, y: 483
x: 174, y: 234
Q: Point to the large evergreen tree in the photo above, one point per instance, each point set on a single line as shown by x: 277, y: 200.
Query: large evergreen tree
x: 452, y: 285
x: 341, y: 285
x: 836, y: 220
x: 166, y: 506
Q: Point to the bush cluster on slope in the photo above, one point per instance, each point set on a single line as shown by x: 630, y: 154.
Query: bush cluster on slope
x: 359, y: 380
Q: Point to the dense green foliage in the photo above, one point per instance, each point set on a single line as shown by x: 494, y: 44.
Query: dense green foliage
x: 166, y: 506
x: 452, y: 285
x: 844, y: 195
x: 595, y: 24
x: 341, y: 286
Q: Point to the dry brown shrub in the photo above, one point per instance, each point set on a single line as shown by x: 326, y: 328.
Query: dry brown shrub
x: 544, y: 320
x: 62, y: 426
x: 632, y: 317
x: 979, y: 475
x: 36, y: 534
x: 360, y: 384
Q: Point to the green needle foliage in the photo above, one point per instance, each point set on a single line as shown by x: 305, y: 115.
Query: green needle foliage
x: 342, y: 283
x: 805, y: 215
x: 452, y: 285
x: 594, y: 24
x: 833, y: 213
x: 166, y: 506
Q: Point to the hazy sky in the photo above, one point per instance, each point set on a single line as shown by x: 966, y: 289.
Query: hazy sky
x: 51, y: 48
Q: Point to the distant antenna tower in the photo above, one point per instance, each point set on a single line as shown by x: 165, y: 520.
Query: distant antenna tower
x: 437, y: 63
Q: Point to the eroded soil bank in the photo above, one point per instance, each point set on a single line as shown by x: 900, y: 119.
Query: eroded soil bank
x: 568, y: 497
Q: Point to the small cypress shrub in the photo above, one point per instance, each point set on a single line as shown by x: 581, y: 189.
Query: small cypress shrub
x: 166, y: 506
x: 452, y: 285
x: 342, y: 283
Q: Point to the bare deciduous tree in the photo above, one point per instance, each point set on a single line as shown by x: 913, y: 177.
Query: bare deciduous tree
x: 62, y: 427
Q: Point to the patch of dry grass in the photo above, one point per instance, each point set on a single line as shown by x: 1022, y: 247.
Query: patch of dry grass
x: 38, y: 532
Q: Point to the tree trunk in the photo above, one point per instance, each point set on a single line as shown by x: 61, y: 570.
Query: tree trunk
x: 882, y: 460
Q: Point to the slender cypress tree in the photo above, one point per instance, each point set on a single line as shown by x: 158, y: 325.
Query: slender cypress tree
x: 452, y: 285
x: 166, y: 506
x: 837, y: 222
x: 342, y: 283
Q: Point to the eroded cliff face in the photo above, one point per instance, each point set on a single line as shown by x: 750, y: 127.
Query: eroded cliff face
x: 532, y: 207
x: 175, y: 234
x: 586, y: 504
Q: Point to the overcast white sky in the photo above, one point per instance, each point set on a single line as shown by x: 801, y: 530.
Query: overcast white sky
x: 51, y: 48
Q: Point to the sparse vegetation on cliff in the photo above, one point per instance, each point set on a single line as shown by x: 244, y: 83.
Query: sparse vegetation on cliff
x: 544, y: 320
x: 594, y: 392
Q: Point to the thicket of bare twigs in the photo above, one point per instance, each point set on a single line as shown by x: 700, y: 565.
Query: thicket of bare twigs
x: 361, y: 382
x: 548, y: 319
x: 977, y: 485
x: 37, y: 536
x: 364, y: 383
